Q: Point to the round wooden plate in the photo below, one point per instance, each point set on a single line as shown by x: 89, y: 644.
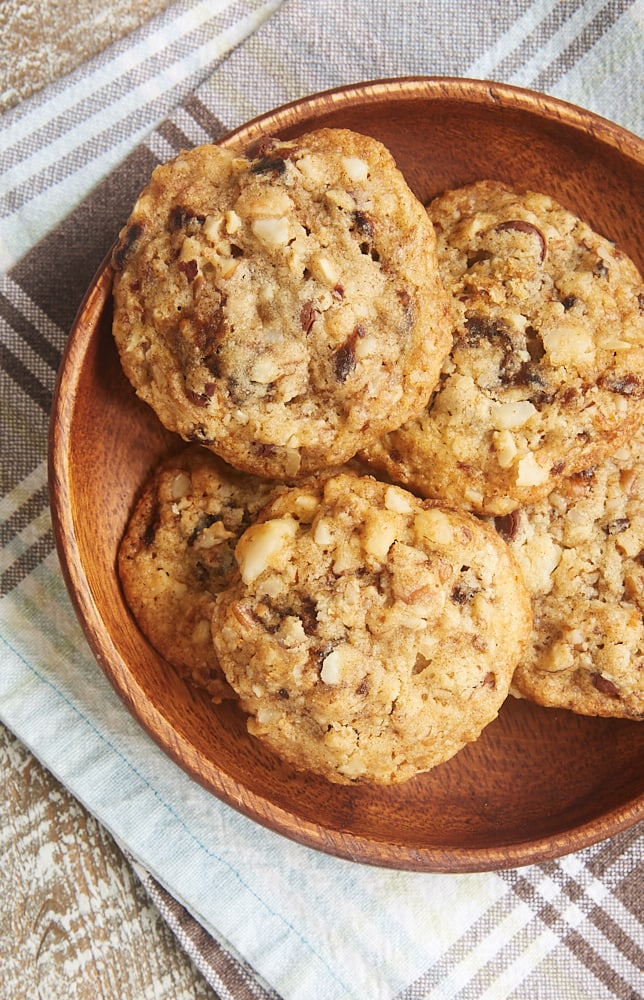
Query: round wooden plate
x: 538, y: 783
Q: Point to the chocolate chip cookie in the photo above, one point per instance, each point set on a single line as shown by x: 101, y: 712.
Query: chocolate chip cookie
x: 546, y: 375
x: 581, y: 552
x: 281, y: 308
x: 369, y: 635
x: 178, y: 551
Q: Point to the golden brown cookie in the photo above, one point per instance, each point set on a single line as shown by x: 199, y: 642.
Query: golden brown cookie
x: 285, y: 308
x: 582, y: 556
x: 369, y: 635
x: 546, y: 374
x: 178, y: 551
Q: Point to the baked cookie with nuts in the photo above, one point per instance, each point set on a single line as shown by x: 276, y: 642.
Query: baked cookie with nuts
x: 178, y: 551
x: 582, y: 556
x: 369, y: 635
x: 546, y: 374
x: 281, y: 308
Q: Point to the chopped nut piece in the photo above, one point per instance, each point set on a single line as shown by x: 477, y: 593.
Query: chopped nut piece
x: 272, y: 232
x: 356, y: 169
x: 434, y: 526
x: 324, y: 269
x: 397, y: 501
x: 530, y: 473
x: 331, y: 672
x: 261, y: 544
x: 181, y: 485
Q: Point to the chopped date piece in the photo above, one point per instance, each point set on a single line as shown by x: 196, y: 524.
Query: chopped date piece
x: 307, y: 315
x: 345, y: 356
x: 208, y: 334
x: 625, y: 385
x: 198, y: 398
x: 345, y: 362
x: 190, y: 268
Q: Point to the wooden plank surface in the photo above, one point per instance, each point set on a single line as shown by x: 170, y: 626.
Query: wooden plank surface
x: 41, y: 40
x: 75, y: 924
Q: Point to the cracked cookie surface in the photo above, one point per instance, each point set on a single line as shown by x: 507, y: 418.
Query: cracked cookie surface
x: 178, y: 551
x: 369, y: 635
x: 582, y: 556
x: 281, y: 309
x: 546, y: 374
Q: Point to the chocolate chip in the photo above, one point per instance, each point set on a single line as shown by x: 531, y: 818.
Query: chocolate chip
x: 568, y: 302
x: 182, y: 217
x: 478, y: 257
x: 151, y: 527
x: 462, y: 593
x: 269, y: 164
x: 617, y: 525
x: 308, y: 615
x: 125, y: 244
x: 200, y: 434
x: 520, y: 226
x: 363, y: 223
x: 205, y: 521
x: 507, y: 525
x: 604, y: 686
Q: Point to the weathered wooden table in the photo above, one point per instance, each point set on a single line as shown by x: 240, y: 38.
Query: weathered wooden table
x: 75, y: 924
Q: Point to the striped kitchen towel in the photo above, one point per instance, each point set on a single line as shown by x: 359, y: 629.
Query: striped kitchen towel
x: 262, y: 916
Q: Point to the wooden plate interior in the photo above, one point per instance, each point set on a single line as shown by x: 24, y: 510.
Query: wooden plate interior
x: 538, y: 783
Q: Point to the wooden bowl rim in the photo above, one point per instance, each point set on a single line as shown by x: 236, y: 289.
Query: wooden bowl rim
x: 438, y: 859
x: 422, y: 88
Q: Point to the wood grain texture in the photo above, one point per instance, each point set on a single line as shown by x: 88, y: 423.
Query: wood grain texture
x: 525, y: 791
x: 75, y: 924
x: 41, y: 40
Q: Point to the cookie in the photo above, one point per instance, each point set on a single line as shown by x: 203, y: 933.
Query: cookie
x: 546, y: 375
x: 281, y: 309
x: 581, y: 552
x: 178, y: 551
x: 369, y: 635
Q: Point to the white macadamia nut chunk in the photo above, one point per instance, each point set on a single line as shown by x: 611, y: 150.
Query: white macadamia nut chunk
x: 261, y: 544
